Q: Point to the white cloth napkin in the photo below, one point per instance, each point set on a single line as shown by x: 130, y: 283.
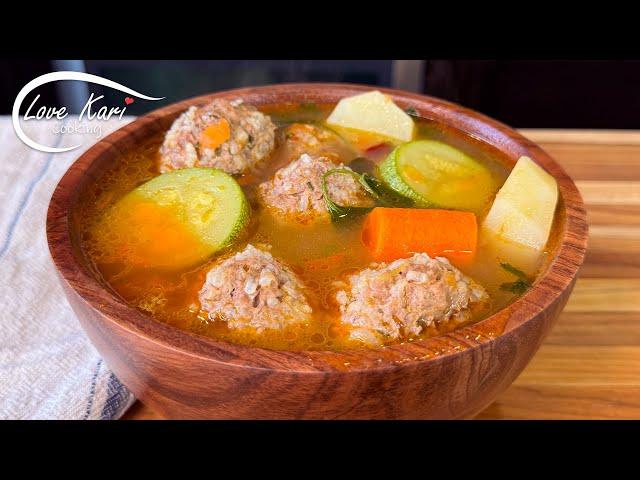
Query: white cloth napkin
x: 48, y: 367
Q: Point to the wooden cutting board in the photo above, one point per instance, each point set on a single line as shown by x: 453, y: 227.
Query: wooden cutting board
x: 589, y: 367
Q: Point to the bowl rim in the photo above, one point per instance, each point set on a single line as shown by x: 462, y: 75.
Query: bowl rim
x: 559, y: 276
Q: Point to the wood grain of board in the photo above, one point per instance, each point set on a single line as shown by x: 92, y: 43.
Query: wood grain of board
x: 589, y: 366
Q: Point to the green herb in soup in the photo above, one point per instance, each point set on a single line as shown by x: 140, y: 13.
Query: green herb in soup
x: 521, y: 285
x: 326, y: 237
x: 380, y: 194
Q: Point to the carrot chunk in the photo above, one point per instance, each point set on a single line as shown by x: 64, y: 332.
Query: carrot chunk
x: 392, y: 233
x: 215, y: 134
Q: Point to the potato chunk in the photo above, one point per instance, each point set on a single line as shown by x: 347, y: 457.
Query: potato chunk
x: 520, y: 218
x: 373, y: 112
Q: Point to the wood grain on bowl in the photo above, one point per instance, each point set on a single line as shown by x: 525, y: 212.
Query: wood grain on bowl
x: 182, y: 375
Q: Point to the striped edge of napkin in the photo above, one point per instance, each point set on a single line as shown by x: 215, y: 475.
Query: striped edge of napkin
x: 107, y: 398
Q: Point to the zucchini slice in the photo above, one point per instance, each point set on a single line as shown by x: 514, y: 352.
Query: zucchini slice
x: 436, y: 175
x: 179, y: 218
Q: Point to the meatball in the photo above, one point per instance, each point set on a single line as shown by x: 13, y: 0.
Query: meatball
x: 315, y: 140
x: 296, y: 189
x: 253, y: 289
x: 251, y: 138
x: 400, y: 299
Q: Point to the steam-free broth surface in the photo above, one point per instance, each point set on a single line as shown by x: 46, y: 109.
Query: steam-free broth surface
x: 319, y: 253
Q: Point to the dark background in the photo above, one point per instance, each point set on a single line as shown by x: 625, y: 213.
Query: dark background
x: 534, y: 94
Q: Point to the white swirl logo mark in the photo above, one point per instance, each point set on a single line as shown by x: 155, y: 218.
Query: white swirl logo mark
x: 61, y: 113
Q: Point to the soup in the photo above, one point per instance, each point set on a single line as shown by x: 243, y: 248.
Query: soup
x: 309, y: 223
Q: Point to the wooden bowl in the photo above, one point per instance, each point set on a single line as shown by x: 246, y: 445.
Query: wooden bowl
x: 183, y: 375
